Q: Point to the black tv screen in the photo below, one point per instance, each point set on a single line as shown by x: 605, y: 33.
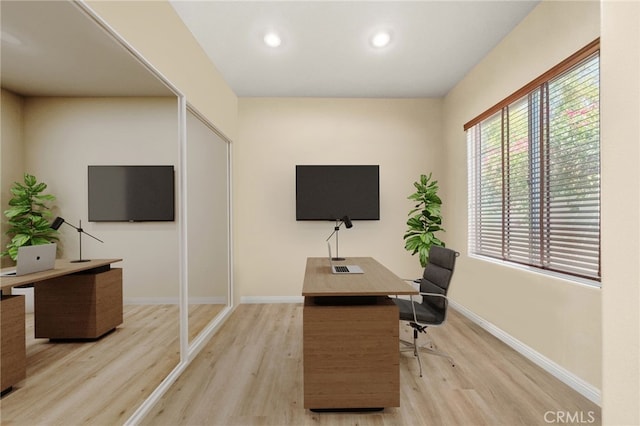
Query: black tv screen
x: 332, y: 192
x: 131, y: 193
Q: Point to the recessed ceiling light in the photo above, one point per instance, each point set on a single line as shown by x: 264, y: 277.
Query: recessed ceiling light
x: 10, y: 38
x: 381, y: 39
x: 272, y: 39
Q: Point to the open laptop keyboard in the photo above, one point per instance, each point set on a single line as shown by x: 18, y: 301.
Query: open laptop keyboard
x: 342, y: 269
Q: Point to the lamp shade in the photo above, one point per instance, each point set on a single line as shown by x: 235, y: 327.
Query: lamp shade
x: 347, y: 222
x: 57, y: 223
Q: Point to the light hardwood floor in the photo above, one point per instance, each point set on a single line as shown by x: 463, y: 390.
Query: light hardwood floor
x: 250, y: 373
x: 99, y: 382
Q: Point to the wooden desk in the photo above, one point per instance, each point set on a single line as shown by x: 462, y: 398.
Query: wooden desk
x: 350, y: 336
x: 13, y: 352
x: 80, y: 300
x: 62, y: 267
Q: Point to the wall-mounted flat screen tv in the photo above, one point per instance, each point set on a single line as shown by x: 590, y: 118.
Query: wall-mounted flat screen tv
x: 332, y: 192
x: 131, y: 193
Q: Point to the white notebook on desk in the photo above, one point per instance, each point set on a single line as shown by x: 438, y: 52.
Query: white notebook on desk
x: 343, y: 269
x: 33, y: 259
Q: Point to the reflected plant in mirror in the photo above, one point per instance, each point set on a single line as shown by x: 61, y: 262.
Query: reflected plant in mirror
x: 28, y: 215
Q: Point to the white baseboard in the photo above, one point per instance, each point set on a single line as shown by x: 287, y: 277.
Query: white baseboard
x: 215, y: 300
x: 151, y: 301
x: 174, y: 301
x: 272, y: 299
x: 576, y: 383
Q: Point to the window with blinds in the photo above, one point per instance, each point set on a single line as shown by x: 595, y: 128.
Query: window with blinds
x: 534, y: 172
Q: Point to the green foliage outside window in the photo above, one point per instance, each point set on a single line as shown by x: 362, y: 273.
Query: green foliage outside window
x: 536, y: 174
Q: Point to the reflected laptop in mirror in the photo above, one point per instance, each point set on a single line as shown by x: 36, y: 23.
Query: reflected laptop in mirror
x: 343, y: 269
x: 33, y: 259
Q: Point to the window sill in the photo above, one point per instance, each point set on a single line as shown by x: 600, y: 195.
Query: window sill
x: 557, y: 275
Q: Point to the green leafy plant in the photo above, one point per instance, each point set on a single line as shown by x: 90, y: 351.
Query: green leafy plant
x: 424, y: 220
x: 28, y: 216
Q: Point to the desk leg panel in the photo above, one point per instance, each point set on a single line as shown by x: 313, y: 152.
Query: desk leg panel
x: 351, y: 356
x: 13, y: 357
x: 79, y: 306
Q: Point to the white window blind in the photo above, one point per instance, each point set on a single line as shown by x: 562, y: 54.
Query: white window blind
x: 534, y: 175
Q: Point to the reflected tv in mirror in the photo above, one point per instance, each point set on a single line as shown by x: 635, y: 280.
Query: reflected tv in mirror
x: 131, y: 193
x: 328, y: 192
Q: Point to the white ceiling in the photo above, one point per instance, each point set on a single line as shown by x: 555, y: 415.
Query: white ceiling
x: 325, y: 50
x: 52, y: 48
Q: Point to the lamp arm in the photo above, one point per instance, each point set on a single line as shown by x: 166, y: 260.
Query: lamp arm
x: 79, y: 229
x: 337, y: 228
x: 95, y: 238
x: 73, y: 226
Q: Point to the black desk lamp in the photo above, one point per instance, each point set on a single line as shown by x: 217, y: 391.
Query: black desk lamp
x: 347, y: 222
x: 59, y: 221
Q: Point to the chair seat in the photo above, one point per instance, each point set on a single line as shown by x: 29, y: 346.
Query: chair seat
x: 424, y: 313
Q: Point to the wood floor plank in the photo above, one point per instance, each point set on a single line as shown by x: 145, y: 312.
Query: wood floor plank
x: 98, y: 382
x: 200, y: 315
x: 250, y: 373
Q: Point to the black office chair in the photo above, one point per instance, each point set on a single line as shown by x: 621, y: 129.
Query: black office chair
x: 432, y: 311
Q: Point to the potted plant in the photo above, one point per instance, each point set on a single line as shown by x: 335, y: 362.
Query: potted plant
x: 424, y: 220
x: 28, y: 216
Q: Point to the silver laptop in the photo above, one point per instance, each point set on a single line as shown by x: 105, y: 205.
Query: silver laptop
x: 343, y: 269
x: 33, y: 259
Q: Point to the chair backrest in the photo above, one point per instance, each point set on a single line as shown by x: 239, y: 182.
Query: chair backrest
x: 437, y: 275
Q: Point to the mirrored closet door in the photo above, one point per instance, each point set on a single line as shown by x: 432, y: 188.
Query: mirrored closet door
x: 77, y: 96
x: 208, y: 223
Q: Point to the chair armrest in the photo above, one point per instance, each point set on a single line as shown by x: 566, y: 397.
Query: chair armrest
x: 408, y: 281
x: 446, y: 303
x: 433, y: 294
x: 446, y: 299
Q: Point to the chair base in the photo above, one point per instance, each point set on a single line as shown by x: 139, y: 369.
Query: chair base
x: 431, y: 351
x: 416, y: 350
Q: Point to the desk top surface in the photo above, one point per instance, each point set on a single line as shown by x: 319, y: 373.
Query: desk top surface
x: 61, y: 268
x: 375, y: 281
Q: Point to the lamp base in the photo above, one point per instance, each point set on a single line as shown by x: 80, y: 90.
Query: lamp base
x: 80, y: 260
x: 338, y: 258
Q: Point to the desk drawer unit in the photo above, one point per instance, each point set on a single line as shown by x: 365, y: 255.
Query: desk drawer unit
x: 13, y: 358
x: 351, y: 355
x: 78, y: 306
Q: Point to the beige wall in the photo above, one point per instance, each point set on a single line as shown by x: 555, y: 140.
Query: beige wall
x: 62, y: 136
x: 559, y: 319
x: 402, y: 136
x: 154, y: 30
x: 620, y: 107
x: 11, y: 155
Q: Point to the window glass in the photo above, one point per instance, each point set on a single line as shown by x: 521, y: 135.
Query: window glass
x: 534, y: 176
